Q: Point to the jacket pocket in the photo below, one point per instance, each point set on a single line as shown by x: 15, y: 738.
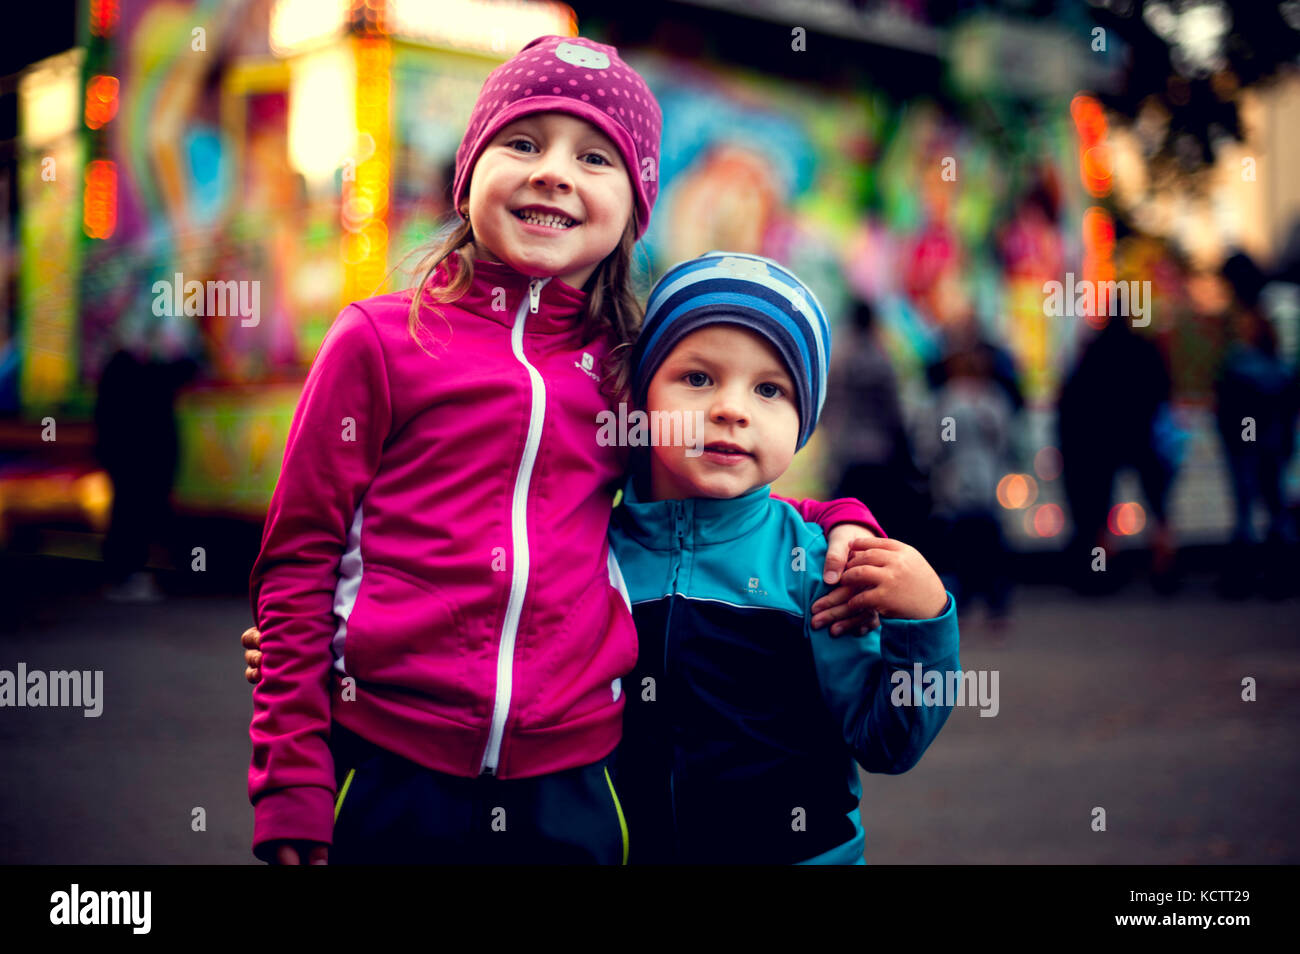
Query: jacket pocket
x: 575, y: 658
x: 404, y: 632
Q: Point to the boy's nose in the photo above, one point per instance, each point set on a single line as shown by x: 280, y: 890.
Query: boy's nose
x: 728, y: 410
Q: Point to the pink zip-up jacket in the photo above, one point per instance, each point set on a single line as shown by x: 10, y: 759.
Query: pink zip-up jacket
x: 434, y: 572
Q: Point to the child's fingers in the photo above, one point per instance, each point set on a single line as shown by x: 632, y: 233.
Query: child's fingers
x: 319, y: 855
x: 839, y: 546
x: 853, y: 553
x: 864, y: 575
x: 878, y: 543
x: 870, y: 557
x: 251, y: 638
x: 252, y: 675
x: 842, y: 603
x: 859, y: 624
x: 287, y: 854
x: 832, y: 607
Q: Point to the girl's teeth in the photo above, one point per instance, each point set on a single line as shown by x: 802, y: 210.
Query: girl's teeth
x: 549, y: 220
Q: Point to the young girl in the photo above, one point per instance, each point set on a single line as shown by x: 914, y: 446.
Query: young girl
x: 444, y: 627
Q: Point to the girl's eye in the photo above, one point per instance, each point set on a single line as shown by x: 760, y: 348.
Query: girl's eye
x: 515, y: 143
x: 776, y: 389
x: 600, y: 160
x: 697, y: 379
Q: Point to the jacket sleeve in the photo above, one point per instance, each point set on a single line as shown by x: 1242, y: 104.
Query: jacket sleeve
x: 867, y: 681
x: 332, y: 453
x: 828, y: 514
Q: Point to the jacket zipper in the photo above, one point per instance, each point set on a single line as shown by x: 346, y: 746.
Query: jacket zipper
x: 679, y: 534
x: 519, y: 536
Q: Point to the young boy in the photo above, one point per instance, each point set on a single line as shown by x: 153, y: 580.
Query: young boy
x: 742, y: 723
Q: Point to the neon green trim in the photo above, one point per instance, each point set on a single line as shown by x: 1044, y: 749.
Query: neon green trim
x: 347, y: 783
x: 622, y: 822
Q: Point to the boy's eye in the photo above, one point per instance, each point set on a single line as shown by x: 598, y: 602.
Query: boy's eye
x: 770, y: 390
x: 697, y: 379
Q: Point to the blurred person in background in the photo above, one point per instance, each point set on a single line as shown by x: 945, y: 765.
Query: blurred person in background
x: 965, y: 334
x: 1257, y: 396
x: 969, y: 451
x: 869, y: 455
x: 1114, y: 412
x: 136, y: 441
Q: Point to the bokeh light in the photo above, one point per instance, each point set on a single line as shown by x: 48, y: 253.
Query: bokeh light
x: 1126, y: 519
x: 1017, y: 491
x: 1049, y: 520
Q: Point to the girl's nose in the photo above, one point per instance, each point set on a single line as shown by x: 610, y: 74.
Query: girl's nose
x: 552, y: 175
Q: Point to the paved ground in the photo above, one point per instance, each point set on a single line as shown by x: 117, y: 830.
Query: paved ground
x: 1131, y: 703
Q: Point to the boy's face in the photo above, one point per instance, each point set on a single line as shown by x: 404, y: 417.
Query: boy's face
x: 747, y: 397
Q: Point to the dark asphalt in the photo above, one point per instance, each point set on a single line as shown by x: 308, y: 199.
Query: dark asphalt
x: 1131, y: 703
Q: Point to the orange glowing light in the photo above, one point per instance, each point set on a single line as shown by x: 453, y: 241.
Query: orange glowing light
x: 1017, y: 491
x: 100, y: 205
x: 1099, y: 231
x: 1126, y: 519
x: 1049, y: 520
x: 1094, y: 154
x: 1089, y: 118
x: 101, y: 100
x: 103, y: 16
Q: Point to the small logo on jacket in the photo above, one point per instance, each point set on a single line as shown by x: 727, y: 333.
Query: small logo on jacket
x: 754, y: 588
x: 587, y: 362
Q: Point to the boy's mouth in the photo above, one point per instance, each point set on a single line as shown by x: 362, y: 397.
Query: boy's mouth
x: 547, y: 218
x: 729, y: 450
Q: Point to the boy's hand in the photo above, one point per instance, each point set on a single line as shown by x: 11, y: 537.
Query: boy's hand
x: 835, y: 607
x: 292, y: 853
x: 251, y: 640
x: 893, y: 579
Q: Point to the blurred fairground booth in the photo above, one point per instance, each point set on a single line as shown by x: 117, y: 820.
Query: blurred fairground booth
x: 943, y: 161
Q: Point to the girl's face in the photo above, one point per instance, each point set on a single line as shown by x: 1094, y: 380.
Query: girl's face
x: 738, y: 381
x: 571, y: 177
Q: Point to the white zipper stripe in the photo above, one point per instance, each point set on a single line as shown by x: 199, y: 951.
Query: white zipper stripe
x: 519, y: 539
x: 346, y: 589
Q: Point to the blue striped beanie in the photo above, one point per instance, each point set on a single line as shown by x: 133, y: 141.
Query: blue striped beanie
x: 747, y: 290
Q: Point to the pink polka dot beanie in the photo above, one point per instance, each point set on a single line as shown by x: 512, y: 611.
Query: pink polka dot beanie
x: 577, y: 76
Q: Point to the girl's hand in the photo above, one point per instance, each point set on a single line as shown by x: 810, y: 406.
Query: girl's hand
x: 292, y: 853
x: 836, y: 607
x: 893, y: 579
x: 251, y: 640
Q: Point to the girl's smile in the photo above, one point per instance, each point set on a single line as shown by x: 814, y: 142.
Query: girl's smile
x: 550, y: 196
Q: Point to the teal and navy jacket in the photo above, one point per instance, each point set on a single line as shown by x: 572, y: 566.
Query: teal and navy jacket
x: 742, y: 723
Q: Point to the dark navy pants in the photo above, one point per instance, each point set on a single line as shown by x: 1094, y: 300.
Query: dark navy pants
x: 390, y: 810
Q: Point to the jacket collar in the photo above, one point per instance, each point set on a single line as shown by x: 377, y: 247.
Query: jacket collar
x: 560, y: 305
x: 655, y: 524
